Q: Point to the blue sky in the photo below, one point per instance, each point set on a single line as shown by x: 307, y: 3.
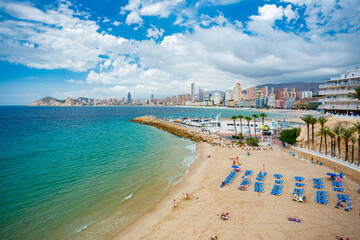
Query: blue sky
x: 106, y: 48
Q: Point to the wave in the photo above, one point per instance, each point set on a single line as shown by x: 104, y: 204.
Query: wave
x: 81, y: 228
x: 126, y: 198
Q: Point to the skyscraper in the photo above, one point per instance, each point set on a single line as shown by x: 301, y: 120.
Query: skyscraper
x: 152, y: 97
x: 129, y: 98
x: 236, y: 92
x: 192, y: 92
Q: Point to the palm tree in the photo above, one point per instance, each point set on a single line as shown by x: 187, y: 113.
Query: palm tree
x: 346, y: 135
x: 248, y: 119
x: 313, y: 120
x: 357, y: 129
x: 321, y: 134
x: 356, y: 94
x: 353, y: 140
x: 255, y: 116
x: 337, y: 132
x: 240, y: 117
x: 322, y: 120
x: 306, y: 119
x: 262, y: 115
x: 332, y: 142
x: 234, y: 118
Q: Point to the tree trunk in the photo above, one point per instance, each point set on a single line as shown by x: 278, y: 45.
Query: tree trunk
x: 325, y: 145
x: 334, y: 147
x: 308, y: 133
x: 339, y: 147
x: 249, y: 128
x: 312, y: 136
x: 241, y: 125
x: 320, y: 144
x: 255, y: 127
x: 331, y: 147
x: 346, y: 150
x: 235, y: 127
x: 352, y: 153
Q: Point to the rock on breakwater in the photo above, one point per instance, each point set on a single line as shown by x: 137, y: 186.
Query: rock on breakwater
x: 182, y: 131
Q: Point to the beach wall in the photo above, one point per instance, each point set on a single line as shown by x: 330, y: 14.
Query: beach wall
x: 181, y: 131
x: 350, y: 173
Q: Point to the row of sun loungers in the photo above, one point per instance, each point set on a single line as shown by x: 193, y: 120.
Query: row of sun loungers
x: 299, y: 184
x: 279, y: 182
x: 229, y: 178
x: 343, y: 198
x: 322, y: 197
x: 244, y: 185
x: 261, y: 176
x: 276, y: 190
x: 337, y: 189
x: 318, y: 183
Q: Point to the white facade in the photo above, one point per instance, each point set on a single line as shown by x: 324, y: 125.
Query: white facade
x: 271, y: 100
x: 227, y: 126
x: 216, y: 98
x: 336, y: 90
x: 306, y: 94
x: 228, y: 95
x: 236, y: 92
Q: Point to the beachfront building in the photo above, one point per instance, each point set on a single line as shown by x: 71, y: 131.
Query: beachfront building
x: 336, y: 90
x: 236, y: 92
x: 227, y: 127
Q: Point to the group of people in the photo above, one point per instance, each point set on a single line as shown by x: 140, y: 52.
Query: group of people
x: 299, y: 198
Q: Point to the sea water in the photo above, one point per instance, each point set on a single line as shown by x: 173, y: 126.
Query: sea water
x: 86, y: 172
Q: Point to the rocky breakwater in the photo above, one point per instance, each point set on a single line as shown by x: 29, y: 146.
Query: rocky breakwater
x: 182, y: 131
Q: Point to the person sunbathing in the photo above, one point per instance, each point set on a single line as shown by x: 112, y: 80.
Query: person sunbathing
x: 224, y: 216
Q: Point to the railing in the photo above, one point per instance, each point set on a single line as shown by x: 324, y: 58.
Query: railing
x: 338, y: 100
x: 349, y: 83
x: 343, y: 116
x: 334, y: 159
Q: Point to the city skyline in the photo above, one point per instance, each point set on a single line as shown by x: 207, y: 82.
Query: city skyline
x: 102, y: 49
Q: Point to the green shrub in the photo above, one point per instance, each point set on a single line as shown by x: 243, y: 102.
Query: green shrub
x: 289, y: 135
x: 253, y: 142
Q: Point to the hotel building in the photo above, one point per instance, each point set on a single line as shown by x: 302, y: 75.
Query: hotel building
x: 336, y: 90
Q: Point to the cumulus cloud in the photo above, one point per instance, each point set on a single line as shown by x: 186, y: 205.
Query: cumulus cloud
x: 116, y: 23
x: 159, y: 8
x: 153, y: 32
x: 54, y: 39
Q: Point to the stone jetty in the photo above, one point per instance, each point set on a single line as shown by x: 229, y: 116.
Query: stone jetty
x: 183, y: 131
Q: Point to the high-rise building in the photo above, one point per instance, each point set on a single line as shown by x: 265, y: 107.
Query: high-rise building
x: 152, y: 97
x: 192, y: 92
x: 265, y: 92
x: 306, y: 94
x: 228, y: 95
x: 236, y: 92
x: 188, y: 97
x: 216, y: 98
x: 278, y: 94
x: 272, y: 90
x: 201, y: 95
x: 129, y: 100
x: 250, y: 93
x: 257, y: 93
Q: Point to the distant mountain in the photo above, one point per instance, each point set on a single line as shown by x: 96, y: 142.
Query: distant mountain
x: 50, y: 101
x: 299, y: 86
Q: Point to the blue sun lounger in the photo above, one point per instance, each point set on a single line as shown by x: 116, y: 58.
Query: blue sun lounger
x: 260, y: 179
x: 276, y: 191
x: 244, y: 185
x: 229, y: 178
x: 348, y: 207
x: 337, y: 184
x: 299, y: 179
x: 343, y: 198
x: 299, y: 184
x: 259, y: 187
x: 318, y: 186
x: 279, y: 181
x: 321, y: 193
x: 298, y: 190
x: 337, y: 189
x: 322, y: 201
x: 278, y: 176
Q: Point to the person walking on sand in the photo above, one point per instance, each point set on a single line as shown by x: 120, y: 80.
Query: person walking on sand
x: 174, y: 203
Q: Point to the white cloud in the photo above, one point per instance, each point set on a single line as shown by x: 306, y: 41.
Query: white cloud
x: 134, y: 18
x: 75, y: 81
x: 160, y: 8
x: 57, y: 38
x: 116, y: 23
x: 153, y: 32
x: 269, y: 13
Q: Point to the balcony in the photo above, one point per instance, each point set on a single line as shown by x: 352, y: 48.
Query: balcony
x: 339, y: 100
x: 340, y: 84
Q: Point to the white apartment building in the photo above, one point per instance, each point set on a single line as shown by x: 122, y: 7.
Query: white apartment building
x: 306, y: 94
x: 336, y: 90
x: 216, y: 98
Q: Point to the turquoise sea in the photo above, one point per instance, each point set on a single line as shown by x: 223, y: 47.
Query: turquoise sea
x: 86, y: 172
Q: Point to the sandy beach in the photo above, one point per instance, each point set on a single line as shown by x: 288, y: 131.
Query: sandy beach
x: 251, y: 215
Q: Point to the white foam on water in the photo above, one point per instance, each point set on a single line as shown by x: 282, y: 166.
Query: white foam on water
x: 81, y: 228
x: 126, y: 198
